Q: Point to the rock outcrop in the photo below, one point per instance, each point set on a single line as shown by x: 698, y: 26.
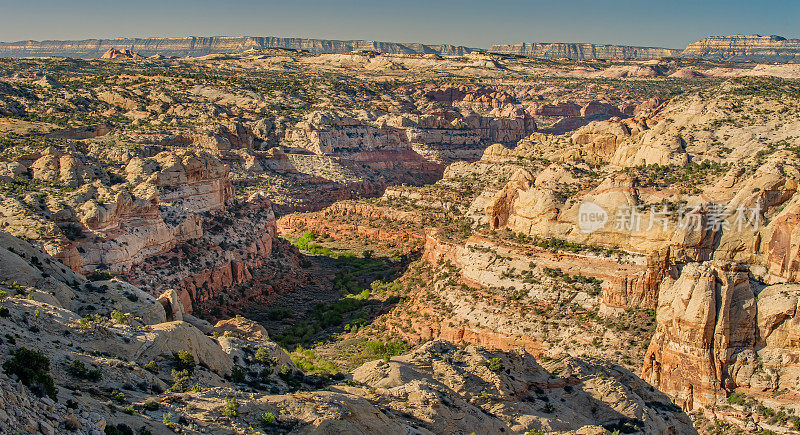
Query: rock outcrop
x: 119, y: 342
x: 719, y: 332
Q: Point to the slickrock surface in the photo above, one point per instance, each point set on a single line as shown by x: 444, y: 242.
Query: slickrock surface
x: 24, y: 412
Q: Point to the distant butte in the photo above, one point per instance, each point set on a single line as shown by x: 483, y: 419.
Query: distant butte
x: 113, y: 53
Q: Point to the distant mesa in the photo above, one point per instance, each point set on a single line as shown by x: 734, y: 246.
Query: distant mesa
x: 583, y: 51
x: 113, y: 53
x: 202, y: 46
x: 742, y: 48
x: 733, y: 48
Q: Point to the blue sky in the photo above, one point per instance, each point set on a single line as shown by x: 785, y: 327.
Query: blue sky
x: 466, y: 22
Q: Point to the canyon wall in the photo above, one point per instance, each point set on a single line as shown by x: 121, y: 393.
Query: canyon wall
x: 437, y: 136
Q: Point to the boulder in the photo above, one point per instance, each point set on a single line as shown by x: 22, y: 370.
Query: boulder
x: 166, y: 339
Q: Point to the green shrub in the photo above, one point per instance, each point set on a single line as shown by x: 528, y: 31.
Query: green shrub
x: 167, y: 419
x: 118, y: 317
x: 279, y: 313
x: 4, y: 312
x: 184, y: 361
x: 77, y: 368
x: 495, y: 364
x: 238, y: 374
x: 309, y: 362
x: 99, y: 275
x: 33, y: 370
x: 268, y: 418
x: 264, y: 357
x: 305, y: 239
x: 118, y: 396
x: 94, y: 375
x: 152, y: 367
x: 181, y: 378
x: 231, y: 408
x: 384, y: 350
x: 736, y: 399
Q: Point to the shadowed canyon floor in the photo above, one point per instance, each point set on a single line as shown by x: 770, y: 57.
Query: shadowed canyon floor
x: 284, y: 242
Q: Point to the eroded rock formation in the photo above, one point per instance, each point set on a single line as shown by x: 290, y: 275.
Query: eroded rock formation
x: 719, y: 331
